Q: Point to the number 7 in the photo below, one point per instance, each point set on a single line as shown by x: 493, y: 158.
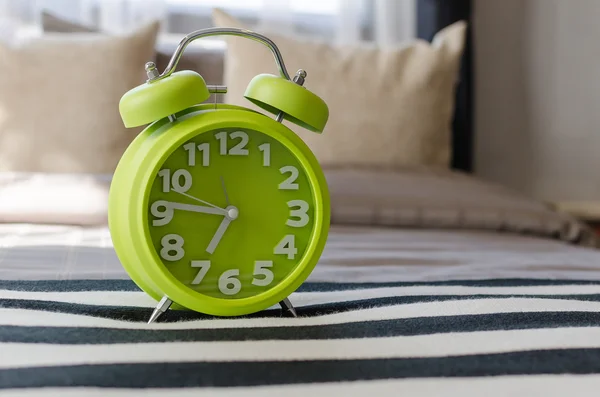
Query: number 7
x: 204, y: 266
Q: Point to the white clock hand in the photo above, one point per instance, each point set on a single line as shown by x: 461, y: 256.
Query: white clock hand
x: 197, y: 199
x: 224, y: 190
x: 218, y: 235
x: 191, y: 208
x: 232, y: 214
x: 197, y: 208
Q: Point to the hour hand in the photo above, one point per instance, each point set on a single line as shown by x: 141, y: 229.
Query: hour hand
x: 232, y: 214
x: 218, y: 235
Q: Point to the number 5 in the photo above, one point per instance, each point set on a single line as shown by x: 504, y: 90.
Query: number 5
x: 260, y: 269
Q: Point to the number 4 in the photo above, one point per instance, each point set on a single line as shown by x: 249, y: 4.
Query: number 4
x: 287, y: 247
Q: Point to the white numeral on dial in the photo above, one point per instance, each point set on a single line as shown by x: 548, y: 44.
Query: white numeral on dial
x: 239, y: 149
x: 300, y: 212
x: 164, y: 216
x: 203, y: 148
x: 172, y: 247
x: 176, y: 183
x: 289, y: 184
x: 287, y: 247
x: 228, y: 283
x: 266, y: 149
x: 204, y: 266
x: 260, y: 269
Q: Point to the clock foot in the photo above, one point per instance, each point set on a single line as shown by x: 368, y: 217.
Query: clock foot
x: 162, y: 307
x: 287, y: 307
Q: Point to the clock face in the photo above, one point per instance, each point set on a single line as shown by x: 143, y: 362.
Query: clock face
x: 231, y: 213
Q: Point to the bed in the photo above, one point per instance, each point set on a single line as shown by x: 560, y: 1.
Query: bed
x: 432, y: 301
x: 432, y: 283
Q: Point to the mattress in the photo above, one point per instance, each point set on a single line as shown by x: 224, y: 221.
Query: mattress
x: 387, y: 311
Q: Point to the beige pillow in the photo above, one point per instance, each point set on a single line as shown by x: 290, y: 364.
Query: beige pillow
x: 421, y: 197
x: 207, y: 60
x: 388, y: 107
x: 59, y: 100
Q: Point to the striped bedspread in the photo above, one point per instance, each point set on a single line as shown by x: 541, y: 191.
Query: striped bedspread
x: 470, y: 336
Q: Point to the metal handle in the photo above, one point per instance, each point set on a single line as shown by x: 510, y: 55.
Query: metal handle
x: 154, y: 76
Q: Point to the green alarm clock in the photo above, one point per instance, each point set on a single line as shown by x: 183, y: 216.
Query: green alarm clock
x: 218, y: 208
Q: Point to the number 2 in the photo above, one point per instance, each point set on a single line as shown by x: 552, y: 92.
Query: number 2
x: 289, y: 184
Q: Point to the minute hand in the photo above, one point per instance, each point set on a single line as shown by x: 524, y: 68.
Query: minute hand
x: 195, y: 208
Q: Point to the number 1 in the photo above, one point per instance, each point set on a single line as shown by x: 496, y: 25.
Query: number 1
x: 266, y: 149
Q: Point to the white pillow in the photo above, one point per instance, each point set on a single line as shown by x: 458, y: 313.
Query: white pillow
x: 76, y: 199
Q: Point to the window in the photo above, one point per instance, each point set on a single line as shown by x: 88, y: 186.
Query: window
x: 311, y: 17
x: 317, y: 18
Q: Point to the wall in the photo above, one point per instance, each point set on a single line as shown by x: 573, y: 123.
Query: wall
x: 537, y: 66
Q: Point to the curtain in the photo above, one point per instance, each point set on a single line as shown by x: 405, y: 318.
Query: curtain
x: 384, y: 22
x: 21, y: 18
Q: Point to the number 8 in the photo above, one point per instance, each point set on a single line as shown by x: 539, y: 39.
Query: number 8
x: 172, y: 243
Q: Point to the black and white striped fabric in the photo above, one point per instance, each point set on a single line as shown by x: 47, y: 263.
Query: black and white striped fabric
x: 92, y: 334
x: 356, y: 335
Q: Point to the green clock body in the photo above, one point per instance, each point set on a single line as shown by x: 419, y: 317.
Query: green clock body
x: 225, y: 211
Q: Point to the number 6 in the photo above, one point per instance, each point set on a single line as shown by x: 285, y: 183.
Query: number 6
x: 228, y: 284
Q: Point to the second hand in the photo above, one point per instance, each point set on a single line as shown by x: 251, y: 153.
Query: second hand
x: 224, y: 190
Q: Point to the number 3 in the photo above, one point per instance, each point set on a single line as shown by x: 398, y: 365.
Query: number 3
x: 300, y: 213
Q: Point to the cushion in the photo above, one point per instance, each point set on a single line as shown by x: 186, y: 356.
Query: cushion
x: 54, y: 198
x: 389, y: 107
x: 204, y: 59
x: 59, y: 100
x: 444, y: 199
x: 403, y: 198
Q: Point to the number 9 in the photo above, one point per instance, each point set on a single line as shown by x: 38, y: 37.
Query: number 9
x: 164, y: 216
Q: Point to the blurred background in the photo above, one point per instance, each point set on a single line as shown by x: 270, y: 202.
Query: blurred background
x: 535, y: 90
